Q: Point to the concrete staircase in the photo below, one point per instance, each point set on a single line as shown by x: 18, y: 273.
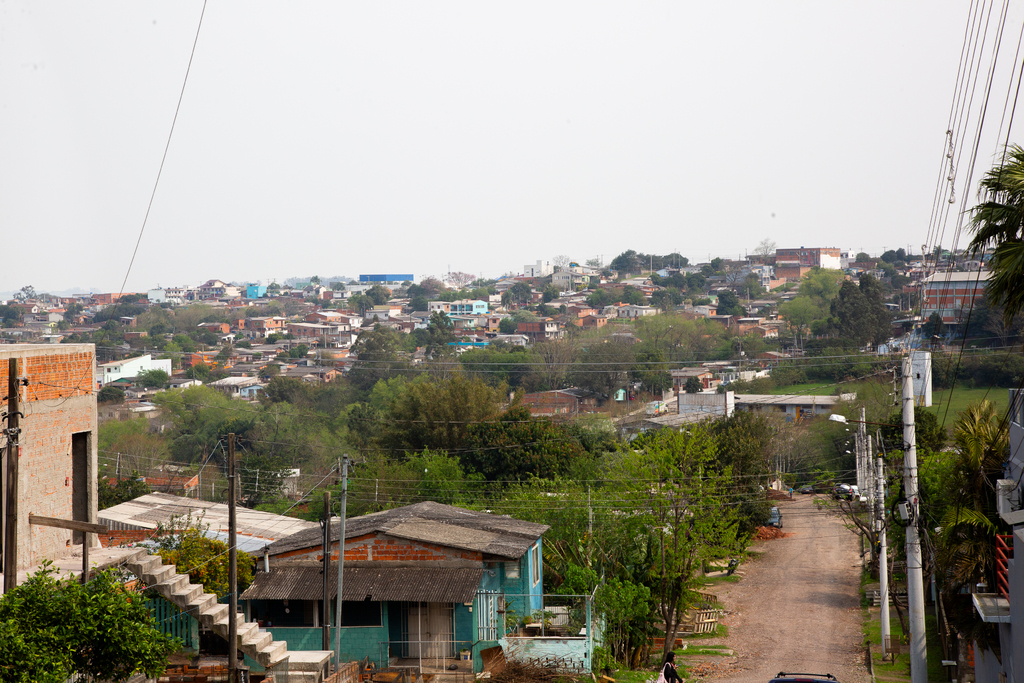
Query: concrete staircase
x: 294, y: 667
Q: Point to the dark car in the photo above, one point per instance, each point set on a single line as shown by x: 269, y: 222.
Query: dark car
x: 783, y: 677
x: 809, y: 488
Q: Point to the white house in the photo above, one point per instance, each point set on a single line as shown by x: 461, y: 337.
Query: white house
x: 130, y: 368
x: 538, y: 269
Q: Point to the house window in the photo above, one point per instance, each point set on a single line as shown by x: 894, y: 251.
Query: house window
x: 536, y: 564
x: 511, y: 570
x: 360, y: 613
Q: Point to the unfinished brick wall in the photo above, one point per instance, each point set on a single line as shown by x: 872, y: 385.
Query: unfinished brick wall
x: 382, y: 548
x: 57, y: 403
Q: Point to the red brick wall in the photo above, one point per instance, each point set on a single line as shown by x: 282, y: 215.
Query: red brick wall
x: 381, y: 548
x: 57, y: 403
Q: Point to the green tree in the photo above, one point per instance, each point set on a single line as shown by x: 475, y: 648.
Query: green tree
x: 966, y: 548
x: 683, y: 511
x: 441, y: 333
x: 116, y: 491
x: 184, y: 544
x: 861, y: 313
x: 729, y: 303
x: 693, y: 386
x: 626, y: 262
x: 800, y: 313
x: 377, y: 357
x: 508, y: 326
x: 51, y: 628
x: 152, y: 378
x: 517, y: 446
x: 550, y: 293
x: 436, y: 413
x: 379, y: 294
x: 998, y: 222
x: 110, y: 394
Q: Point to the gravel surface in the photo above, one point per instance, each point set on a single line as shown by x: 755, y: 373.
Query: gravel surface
x: 797, y: 607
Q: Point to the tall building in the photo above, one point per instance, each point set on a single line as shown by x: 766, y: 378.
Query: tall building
x: 952, y: 295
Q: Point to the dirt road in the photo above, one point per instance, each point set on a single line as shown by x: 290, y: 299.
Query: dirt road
x: 797, y: 607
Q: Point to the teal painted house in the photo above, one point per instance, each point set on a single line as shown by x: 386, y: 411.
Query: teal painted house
x: 422, y: 583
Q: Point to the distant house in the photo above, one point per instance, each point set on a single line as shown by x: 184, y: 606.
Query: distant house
x: 542, y: 330
x: 705, y: 376
x: 130, y: 368
x: 247, y: 388
x: 424, y: 580
x: 792, y: 406
x: 468, y: 307
x: 561, y: 402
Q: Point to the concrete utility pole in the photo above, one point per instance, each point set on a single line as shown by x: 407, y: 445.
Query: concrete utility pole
x: 883, y: 552
x: 341, y: 561
x: 232, y: 568
x: 915, y: 573
x: 12, y: 432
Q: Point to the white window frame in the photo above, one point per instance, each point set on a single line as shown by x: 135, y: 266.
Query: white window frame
x: 535, y: 563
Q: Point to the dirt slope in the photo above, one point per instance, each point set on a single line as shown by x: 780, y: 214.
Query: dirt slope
x: 797, y: 607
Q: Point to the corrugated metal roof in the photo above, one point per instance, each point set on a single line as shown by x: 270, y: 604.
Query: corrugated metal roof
x: 432, y: 522
x: 152, y: 509
x: 378, y: 584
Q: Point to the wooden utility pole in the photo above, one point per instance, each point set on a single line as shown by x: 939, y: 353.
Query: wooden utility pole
x: 326, y: 603
x: 12, y: 432
x: 341, y: 561
x: 232, y: 566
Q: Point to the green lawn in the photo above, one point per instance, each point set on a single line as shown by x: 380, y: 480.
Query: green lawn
x: 887, y: 670
x: 958, y: 399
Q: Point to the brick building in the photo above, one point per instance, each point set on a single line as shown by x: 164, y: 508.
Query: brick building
x: 814, y: 257
x: 57, y: 464
x: 952, y: 295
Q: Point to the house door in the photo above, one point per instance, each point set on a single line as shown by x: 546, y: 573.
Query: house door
x: 431, y: 630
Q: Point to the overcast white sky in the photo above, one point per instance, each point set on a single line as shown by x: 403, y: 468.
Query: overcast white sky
x: 343, y: 138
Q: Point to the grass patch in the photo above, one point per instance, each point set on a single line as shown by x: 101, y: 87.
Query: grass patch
x: 721, y: 631
x: 958, y: 399
x: 700, y: 650
x: 885, y: 668
x: 807, y: 389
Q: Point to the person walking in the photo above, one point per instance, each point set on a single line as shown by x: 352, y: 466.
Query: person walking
x: 668, y: 670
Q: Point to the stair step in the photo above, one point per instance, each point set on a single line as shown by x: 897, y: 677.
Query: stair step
x: 187, y: 594
x: 202, y: 602
x: 258, y: 639
x: 272, y: 654
x: 159, y: 574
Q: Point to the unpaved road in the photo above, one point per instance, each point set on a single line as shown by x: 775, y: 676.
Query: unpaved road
x: 797, y: 607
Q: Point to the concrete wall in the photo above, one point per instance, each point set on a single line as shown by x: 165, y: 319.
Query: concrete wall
x: 58, y: 402
x: 710, y: 404
x: 565, y: 654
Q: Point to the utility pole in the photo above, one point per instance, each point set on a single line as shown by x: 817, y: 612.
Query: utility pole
x: 341, y: 561
x: 232, y: 566
x: 883, y: 552
x: 325, y: 522
x: 13, y: 453
x: 915, y: 574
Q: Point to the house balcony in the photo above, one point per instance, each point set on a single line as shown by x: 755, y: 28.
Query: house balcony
x: 994, y: 608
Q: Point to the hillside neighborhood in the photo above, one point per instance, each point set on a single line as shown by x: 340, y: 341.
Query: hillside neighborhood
x: 484, y: 439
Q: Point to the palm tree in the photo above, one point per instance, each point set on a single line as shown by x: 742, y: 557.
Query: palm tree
x: 966, y: 549
x: 999, y: 222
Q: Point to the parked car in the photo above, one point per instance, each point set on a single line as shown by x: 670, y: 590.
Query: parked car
x: 809, y: 488
x: 783, y: 677
x: 841, y: 491
x: 775, y: 517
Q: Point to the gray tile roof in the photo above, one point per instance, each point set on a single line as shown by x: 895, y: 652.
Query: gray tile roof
x: 377, y: 584
x: 430, y: 522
